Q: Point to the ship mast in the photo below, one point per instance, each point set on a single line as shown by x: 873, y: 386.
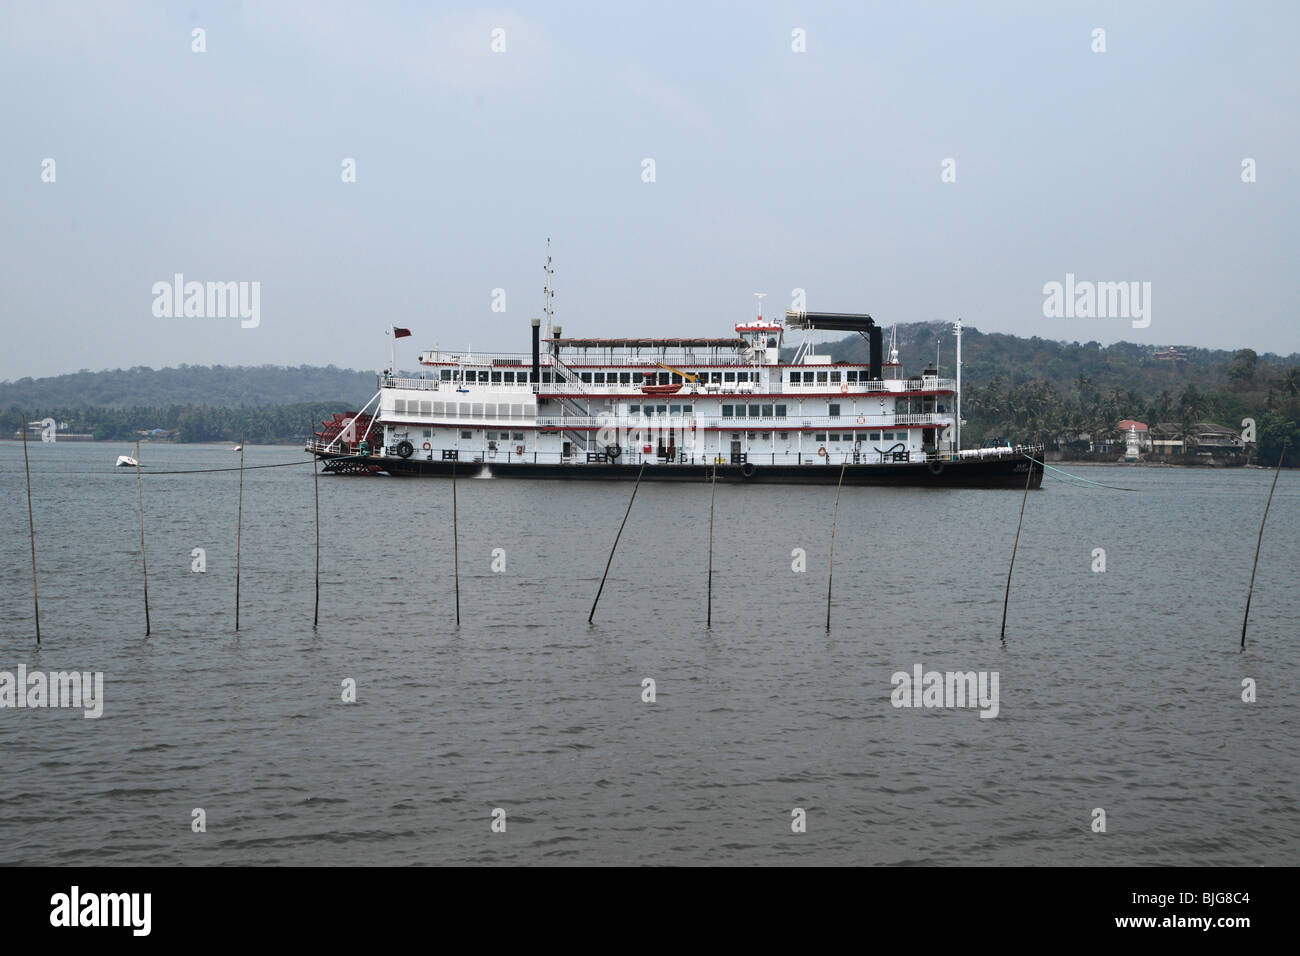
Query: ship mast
x: 549, y: 290
x: 956, y: 331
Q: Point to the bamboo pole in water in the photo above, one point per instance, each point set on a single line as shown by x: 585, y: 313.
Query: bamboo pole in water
x: 239, y: 528
x: 144, y: 561
x: 455, y: 539
x: 1259, y: 542
x: 31, y: 533
x: 713, y: 494
x: 1007, y: 597
x: 616, y: 537
x: 830, y: 570
x: 315, y: 477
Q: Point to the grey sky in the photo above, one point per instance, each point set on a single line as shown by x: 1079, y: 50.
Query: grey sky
x: 774, y: 170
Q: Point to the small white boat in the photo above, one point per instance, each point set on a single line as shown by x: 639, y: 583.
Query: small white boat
x: 238, y: 448
x: 126, y: 461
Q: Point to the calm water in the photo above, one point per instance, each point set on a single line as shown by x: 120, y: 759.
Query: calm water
x: 1118, y: 690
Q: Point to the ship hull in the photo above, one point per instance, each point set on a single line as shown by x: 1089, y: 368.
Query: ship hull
x: 1003, y: 472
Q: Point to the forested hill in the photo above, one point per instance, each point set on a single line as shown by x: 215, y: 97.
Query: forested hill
x: 1015, y: 360
x: 219, y: 386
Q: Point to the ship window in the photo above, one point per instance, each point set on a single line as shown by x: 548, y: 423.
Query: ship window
x: 399, y: 406
x: 466, y: 434
x: 437, y: 408
x: 851, y: 376
x: 445, y: 375
x: 600, y: 378
x: 428, y: 433
x: 518, y: 436
x: 661, y: 409
x: 648, y: 409
x: 785, y: 436
x: 717, y: 376
x: 426, y: 408
x: 767, y: 411
x: 633, y: 409
x: 767, y: 436
x: 675, y: 379
x: 727, y: 410
x: 496, y: 378
x: 508, y: 378
x: 833, y: 410
x: 875, y: 436
x: 752, y: 411
x: 735, y: 436
x: 586, y: 377
x: 821, y: 436
x: 483, y: 375
x: 729, y: 376
x: 686, y: 409
x: 478, y: 410
x: 625, y: 378
x: 742, y: 377
x: 546, y: 377
x: 796, y: 378
x: 749, y: 435
x: 490, y: 410
x: 835, y: 377
x: 889, y: 436
x: 464, y: 409
x: 675, y: 410
x: 821, y: 378
x: 780, y: 411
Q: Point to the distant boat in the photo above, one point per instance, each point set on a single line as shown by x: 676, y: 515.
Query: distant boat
x: 238, y: 448
x: 126, y: 461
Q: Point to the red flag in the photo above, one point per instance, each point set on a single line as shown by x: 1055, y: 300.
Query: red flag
x: 400, y: 333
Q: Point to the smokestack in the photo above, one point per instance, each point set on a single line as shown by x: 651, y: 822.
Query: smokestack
x: 875, y: 333
x: 537, y: 350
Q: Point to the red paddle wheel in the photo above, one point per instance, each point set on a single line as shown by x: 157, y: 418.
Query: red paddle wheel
x: 339, y: 440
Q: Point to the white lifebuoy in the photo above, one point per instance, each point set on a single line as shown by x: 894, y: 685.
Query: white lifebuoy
x: 428, y: 447
x: 822, y: 451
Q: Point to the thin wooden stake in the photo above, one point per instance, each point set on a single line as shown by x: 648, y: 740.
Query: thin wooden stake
x: 616, y: 537
x: 455, y: 538
x: 712, y: 495
x: 1259, y: 542
x: 144, y: 561
x: 239, y: 527
x: 315, y: 476
x: 31, y: 532
x: 830, y: 570
x: 1007, y: 597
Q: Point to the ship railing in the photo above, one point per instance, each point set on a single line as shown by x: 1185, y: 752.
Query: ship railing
x: 425, y: 384
x: 913, y: 384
